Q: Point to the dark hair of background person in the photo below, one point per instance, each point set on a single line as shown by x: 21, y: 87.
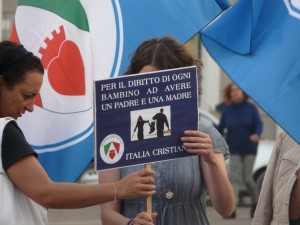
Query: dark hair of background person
x: 17, y: 73
x: 163, y: 53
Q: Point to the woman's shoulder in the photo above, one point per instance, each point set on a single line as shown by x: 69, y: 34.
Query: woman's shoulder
x: 250, y: 104
x: 210, y: 129
x: 207, y: 127
x: 12, y: 127
x: 219, y: 143
x: 228, y: 109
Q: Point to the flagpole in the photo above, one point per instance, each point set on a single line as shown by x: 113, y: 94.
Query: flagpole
x: 148, y: 198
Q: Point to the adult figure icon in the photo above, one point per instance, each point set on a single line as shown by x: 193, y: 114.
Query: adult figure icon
x: 161, y: 120
x: 140, y: 127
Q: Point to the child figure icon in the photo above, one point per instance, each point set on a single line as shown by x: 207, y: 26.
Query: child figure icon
x: 152, y: 127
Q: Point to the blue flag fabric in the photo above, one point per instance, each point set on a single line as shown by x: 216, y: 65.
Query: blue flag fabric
x: 80, y: 41
x: 128, y: 23
x: 177, y: 18
x: 256, y: 42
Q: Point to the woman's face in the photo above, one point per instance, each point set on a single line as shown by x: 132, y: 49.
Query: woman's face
x: 236, y: 94
x: 16, y: 100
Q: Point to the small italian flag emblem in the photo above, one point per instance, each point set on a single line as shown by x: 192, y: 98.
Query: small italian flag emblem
x: 111, y: 149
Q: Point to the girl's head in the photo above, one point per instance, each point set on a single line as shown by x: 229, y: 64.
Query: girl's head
x: 161, y: 54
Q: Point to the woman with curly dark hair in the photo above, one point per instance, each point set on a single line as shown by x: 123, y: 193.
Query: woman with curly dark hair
x: 26, y: 191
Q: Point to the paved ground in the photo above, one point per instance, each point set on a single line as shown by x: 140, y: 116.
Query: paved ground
x: 90, y: 216
x: 243, y: 217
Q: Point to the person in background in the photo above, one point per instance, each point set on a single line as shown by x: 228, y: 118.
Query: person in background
x: 140, y: 127
x: 242, y: 127
x: 181, y: 184
x: 25, y: 188
x: 220, y: 107
x: 279, y: 199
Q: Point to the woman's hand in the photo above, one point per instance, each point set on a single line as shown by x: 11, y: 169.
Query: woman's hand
x: 144, y: 218
x: 199, y: 143
x: 254, y: 138
x: 139, y: 183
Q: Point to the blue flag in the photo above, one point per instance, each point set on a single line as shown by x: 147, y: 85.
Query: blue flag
x: 82, y: 41
x: 180, y: 19
x: 256, y: 42
x: 122, y: 25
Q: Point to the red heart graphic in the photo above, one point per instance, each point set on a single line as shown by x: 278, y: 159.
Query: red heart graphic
x: 64, y: 64
x: 112, y: 154
x: 66, y: 72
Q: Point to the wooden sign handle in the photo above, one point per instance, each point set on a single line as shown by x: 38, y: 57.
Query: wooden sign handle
x: 148, y: 198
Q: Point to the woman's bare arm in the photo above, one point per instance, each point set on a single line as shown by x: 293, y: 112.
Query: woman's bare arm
x: 29, y: 176
x: 214, y: 171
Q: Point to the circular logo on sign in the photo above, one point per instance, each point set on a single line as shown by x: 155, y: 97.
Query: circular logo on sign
x: 111, y: 149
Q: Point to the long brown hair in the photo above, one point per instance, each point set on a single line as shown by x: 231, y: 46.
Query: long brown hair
x: 163, y: 53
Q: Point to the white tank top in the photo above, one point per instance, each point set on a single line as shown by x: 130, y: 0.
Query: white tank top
x: 15, y: 207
